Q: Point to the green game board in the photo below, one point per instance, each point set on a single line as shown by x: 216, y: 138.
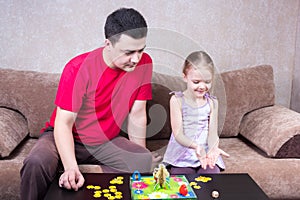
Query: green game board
x: 144, y: 188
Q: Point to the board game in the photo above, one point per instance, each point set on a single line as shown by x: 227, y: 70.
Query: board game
x: 155, y: 187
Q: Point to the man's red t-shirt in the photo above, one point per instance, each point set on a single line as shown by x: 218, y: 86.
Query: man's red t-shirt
x: 102, y: 97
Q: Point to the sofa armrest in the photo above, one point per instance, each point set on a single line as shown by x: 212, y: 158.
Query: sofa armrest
x: 274, y: 129
x: 13, y: 129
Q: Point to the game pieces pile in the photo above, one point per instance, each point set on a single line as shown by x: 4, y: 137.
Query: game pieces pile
x: 111, y: 192
x: 203, y: 179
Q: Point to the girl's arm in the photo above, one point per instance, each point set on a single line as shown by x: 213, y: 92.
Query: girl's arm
x: 213, y: 138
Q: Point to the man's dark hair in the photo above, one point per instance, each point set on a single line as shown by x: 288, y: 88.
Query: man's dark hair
x: 125, y: 21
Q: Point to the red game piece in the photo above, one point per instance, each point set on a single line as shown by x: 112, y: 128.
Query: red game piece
x: 183, y: 190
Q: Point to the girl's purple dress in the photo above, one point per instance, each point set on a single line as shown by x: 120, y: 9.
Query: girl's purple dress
x: 195, y: 122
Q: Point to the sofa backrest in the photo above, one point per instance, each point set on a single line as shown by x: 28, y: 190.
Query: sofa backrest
x: 239, y: 92
x: 33, y: 94
x: 30, y: 93
x: 246, y: 90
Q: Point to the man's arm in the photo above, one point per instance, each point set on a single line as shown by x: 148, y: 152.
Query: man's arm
x: 137, y: 122
x: 72, y: 177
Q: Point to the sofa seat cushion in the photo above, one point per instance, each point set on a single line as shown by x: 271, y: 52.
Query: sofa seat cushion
x: 13, y: 129
x: 274, y: 129
x: 246, y: 158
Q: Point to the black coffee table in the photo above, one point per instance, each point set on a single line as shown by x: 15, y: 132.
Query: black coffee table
x: 229, y: 186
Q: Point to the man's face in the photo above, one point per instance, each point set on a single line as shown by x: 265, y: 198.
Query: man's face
x: 126, y: 53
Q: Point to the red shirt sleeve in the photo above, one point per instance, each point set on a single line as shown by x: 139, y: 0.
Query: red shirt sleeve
x: 71, y: 88
x: 145, y: 91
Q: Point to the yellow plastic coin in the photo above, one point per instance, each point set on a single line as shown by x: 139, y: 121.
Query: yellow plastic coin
x: 105, y: 191
x: 90, y: 187
x: 113, y: 190
x: 97, y: 187
x: 97, y: 195
x: 197, y: 186
x: 107, y: 195
x: 193, y: 183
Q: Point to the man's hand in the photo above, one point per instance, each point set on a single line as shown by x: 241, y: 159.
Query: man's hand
x: 213, y: 154
x: 71, y: 179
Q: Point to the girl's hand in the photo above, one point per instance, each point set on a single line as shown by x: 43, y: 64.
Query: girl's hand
x: 201, y: 154
x: 213, y: 154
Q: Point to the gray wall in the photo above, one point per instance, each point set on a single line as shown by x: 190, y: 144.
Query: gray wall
x: 295, y: 101
x: 44, y: 35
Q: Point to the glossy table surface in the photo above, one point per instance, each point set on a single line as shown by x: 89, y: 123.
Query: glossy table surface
x: 229, y: 187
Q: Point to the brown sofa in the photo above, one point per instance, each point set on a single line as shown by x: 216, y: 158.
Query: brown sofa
x: 263, y: 139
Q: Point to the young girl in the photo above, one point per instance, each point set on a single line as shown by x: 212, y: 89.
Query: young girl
x: 193, y: 146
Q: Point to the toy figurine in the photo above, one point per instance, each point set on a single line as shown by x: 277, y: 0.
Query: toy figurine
x: 161, y: 177
x: 136, y: 176
x: 183, y: 190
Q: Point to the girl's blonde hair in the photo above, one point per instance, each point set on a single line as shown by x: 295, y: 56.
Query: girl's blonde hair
x: 198, y: 60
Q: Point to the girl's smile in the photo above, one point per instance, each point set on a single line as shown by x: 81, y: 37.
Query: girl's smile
x: 198, y: 82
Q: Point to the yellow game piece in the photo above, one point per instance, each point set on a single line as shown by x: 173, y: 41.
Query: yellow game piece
x: 203, y: 179
x: 97, y: 187
x: 107, y: 195
x: 105, y: 191
x: 97, y: 195
x: 193, y: 183
x: 90, y: 187
x: 112, y: 186
x: 120, y: 177
x: 197, y: 187
x: 118, y: 193
x: 113, y: 190
x: 119, y: 197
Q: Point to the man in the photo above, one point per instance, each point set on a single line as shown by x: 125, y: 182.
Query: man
x: 98, y: 90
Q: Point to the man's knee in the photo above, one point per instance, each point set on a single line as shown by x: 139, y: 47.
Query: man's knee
x: 144, y: 162
x: 39, y: 165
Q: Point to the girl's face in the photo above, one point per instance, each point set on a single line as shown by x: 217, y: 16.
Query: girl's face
x: 198, y: 81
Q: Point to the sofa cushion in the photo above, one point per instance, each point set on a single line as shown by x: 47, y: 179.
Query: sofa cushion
x: 158, y: 116
x: 31, y: 93
x: 290, y: 149
x: 158, y: 109
x: 246, y: 90
x: 274, y: 129
x: 13, y: 129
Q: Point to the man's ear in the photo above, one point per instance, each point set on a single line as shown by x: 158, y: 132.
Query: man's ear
x: 107, y: 44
